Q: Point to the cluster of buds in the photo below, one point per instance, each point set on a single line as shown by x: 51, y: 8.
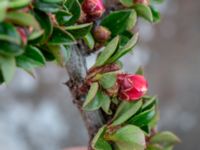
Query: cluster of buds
x: 129, y: 87
x: 144, y: 2
x: 93, y: 9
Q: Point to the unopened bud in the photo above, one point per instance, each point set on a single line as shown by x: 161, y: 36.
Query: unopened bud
x: 93, y: 8
x: 101, y: 34
x: 22, y: 34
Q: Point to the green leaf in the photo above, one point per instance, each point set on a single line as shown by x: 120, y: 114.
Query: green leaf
x: 10, y: 49
x: 165, y: 138
x: 127, y: 3
x: 9, y: 33
x: 154, y: 147
x: 13, y: 4
x: 22, y: 19
x: 105, y: 103
x: 129, y: 137
x: 61, y: 53
x: 35, y: 54
x: 52, y: 1
x: 74, y: 8
x: 45, y: 23
x: 119, y: 21
x: 8, y: 67
x: 91, y: 93
x: 156, y: 14
x: 95, y: 104
x: 63, y: 17
x: 108, y: 80
x: 60, y: 36
x: 140, y: 71
x: 47, y: 7
x: 107, y: 52
x: 125, y: 111
x: 89, y: 40
x: 1, y: 78
x: 125, y: 49
x: 149, y: 103
x: 79, y: 31
x: 32, y: 58
x: 98, y: 142
x: 3, y: 9
x: 143, y: 118
x: 144, y: 11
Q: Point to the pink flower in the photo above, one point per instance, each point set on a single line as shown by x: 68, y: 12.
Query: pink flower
x: 144, y: 2
x: 132, y: 87
x: 93, y: 8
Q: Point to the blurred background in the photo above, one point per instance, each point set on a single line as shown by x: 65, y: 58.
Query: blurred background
x: 37, y: 114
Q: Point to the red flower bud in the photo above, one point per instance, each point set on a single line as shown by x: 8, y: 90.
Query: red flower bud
x: 101, y: 34
x: 144, y: 2
x: 22, y: 34
x: 132, y: 87
x: 93, y: 8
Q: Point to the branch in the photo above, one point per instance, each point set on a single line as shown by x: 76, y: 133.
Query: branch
x: 76, y: 68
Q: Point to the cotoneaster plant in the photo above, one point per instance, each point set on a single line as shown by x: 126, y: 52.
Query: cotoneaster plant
x: 115, y: 106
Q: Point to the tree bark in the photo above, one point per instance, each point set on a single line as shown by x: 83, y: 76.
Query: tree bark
x: 77, y: 70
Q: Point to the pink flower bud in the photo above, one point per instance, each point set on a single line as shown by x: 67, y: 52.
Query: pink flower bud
x: 101, y: 34
x: 22, y: 34
x: 144, y: 2
x: 132, y: 87
x: 93, y: 8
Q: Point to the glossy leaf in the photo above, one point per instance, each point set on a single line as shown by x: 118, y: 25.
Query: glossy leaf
x: 60, y: 36
x: 91, y: 93
x: 52, y: 1
x: 98, y: 142
x: 22, y: 19
x: 3, y: 9
x: 47, y: 7
x: 149, y: 103
x: 156, y: 14
x: 127, y: 3
x: 143, y: 118
x: 119, y: 21
x: 10, y: 49
x: 144, y: 11
x: 89, y: 40
x: 7, y: 67
x: 1, y: 78
x: 63, y: 17
x: 35, y: 54
x: 165, y: 139
x: 105, y: 103
x: 45, y: 23
x: 74, y: 8
x: 129, y: 137
x: 107, y: 52
x: 108, y: 80
x: 79, y: 31
x: 61, y: 53
x: 125, y: 49
x: 125, y: 111
x: 32, y: 58
x: 13, y: 4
